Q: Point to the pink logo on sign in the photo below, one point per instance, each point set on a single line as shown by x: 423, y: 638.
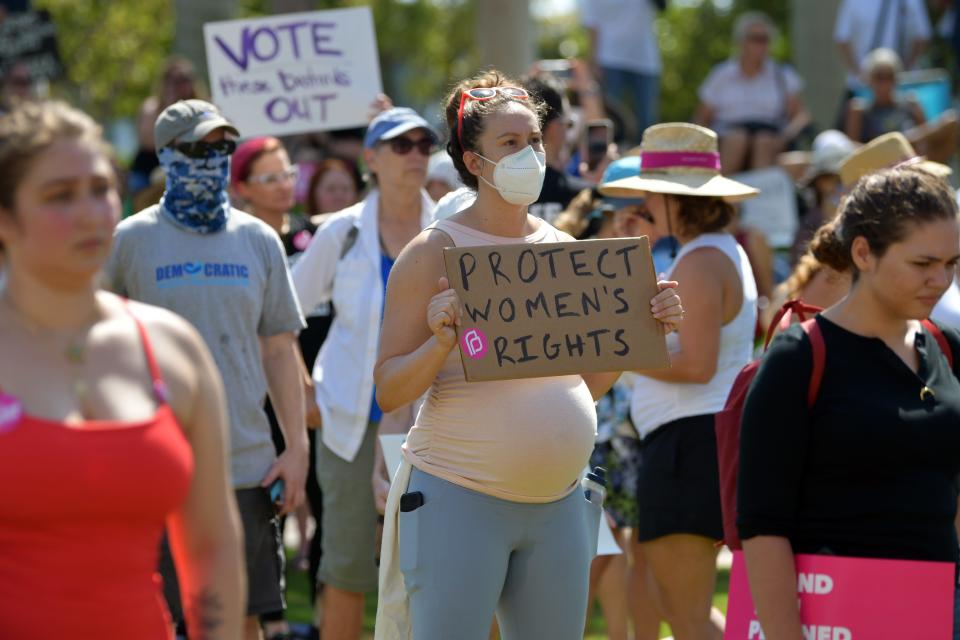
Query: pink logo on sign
x: 474, y: 343
x: 11, y: 411
x: 840, y: 599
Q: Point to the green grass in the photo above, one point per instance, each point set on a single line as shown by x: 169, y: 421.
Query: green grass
x: 300, y: 609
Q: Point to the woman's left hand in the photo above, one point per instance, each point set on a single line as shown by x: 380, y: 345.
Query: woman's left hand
x: 666, y: 306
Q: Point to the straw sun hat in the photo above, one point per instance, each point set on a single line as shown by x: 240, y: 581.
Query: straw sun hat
x: 679, y: 159
x: 885, y: 152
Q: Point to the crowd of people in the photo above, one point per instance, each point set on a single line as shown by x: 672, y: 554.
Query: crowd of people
x: 187, y: 381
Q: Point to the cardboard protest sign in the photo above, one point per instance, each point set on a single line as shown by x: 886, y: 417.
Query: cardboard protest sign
x: 30, y: 37
x: 533, y: 310
x: 855, y: 599
x: 294, y: 72
x: 774, y: 211
x: 392, y: 457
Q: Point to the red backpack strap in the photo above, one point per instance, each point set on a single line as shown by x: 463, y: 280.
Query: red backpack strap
x: 812, y: 329
x: 781, y: 321
x: 941, y: 340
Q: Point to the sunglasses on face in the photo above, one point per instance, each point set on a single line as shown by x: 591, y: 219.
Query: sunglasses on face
x: 402, y: 145
x: 760, y: 38
x: 639, y: 211
x: 202, y: 149
x: 486, y: 93
x: 287, y: 175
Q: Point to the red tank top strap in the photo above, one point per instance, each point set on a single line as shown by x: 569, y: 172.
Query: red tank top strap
x: 159, y: 386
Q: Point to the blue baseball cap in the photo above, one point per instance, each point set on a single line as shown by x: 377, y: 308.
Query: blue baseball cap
x: 393, y: 122
x: 618, y: 169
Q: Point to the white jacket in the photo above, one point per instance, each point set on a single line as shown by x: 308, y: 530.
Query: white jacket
x: 343, y: 373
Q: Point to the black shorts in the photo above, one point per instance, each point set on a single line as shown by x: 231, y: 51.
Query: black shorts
x: 754, y: 127
x: 263, y: 552
x: 678, y: 484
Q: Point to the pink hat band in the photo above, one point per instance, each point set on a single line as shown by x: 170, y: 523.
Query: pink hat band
x: 653, y: 160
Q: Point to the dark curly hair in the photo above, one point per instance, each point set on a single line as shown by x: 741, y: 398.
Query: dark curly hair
x: 475, y: 113
x: 881, y: 208
x: 702, y: 214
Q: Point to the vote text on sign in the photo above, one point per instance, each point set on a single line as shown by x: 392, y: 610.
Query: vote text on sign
x: 295, y: 72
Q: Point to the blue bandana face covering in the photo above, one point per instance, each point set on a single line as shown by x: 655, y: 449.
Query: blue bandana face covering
x: 196, y: 195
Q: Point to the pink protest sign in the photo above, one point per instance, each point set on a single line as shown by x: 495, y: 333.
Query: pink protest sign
x: 855, y: 599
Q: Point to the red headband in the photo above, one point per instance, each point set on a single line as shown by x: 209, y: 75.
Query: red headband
x: 667, y: 159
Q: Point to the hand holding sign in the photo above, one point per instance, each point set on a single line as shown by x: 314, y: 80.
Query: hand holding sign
x: 443, y: 315
x: 666, y: 306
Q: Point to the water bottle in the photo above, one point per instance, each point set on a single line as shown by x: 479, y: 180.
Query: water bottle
x: 594, y: 486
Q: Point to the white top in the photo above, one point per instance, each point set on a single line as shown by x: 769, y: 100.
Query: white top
x: 736, y: 98
x: 454, y: 202
x: 947, y: 311
x: 625, y: 36
x: 343, y: 372
x: 656, y: 403
x: 858, y: 21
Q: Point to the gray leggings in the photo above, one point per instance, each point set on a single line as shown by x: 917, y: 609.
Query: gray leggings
x: 465, y: 555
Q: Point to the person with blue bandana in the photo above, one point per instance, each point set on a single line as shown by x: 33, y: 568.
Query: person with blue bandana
x: 225, y: 271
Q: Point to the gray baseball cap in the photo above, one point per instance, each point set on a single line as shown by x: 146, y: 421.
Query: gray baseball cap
x: 189, y: 121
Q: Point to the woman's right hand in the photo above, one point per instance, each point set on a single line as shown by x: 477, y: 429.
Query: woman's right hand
x: 443, y: 314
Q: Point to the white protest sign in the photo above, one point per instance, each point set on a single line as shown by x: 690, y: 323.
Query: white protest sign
x: 774, y: 211
x: 294, y: 72
x: 391, y: 443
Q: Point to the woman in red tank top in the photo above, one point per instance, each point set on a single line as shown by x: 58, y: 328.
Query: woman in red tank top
x: 112, y: 420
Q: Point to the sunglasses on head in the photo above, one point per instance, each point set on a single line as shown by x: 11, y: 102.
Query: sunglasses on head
x: 403, y: 145
x: 486, y: 93
x: 202, y: 149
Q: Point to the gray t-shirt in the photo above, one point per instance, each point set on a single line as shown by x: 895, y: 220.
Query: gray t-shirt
x: 233, y: 286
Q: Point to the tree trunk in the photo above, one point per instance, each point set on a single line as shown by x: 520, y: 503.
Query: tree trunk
x: 189, y: 18
x: 291, y: 6
x: 818, y: 59
x: 505, y: 35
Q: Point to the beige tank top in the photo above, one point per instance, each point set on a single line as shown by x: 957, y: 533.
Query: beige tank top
x: 519, y: 440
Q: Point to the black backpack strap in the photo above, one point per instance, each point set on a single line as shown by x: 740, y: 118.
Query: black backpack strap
x: 349, y: 241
